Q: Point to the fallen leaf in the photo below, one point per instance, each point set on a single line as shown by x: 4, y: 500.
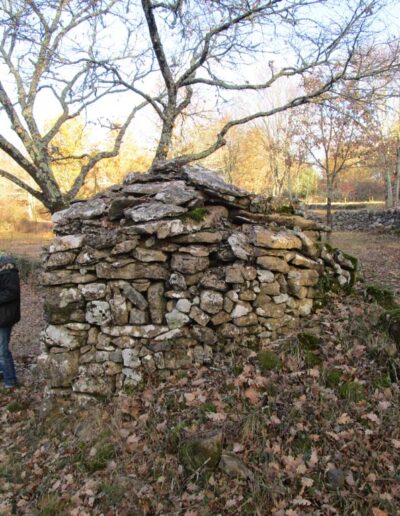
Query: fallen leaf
x: 377, y: 512
x: 253, y: 395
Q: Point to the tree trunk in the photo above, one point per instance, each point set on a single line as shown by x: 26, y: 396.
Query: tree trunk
x: 388, y: 190
x: 289, y: 183
x: 396, y: 193
x: 164, y: 143
x: 329, y: 196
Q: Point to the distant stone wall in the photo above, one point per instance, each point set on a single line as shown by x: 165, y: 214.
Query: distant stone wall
x: 363, y: 220
x: 167, y: 272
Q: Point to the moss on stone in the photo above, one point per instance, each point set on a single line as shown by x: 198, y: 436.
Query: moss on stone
x: 269, y: 361
x: 197, y: 214
x: 286, y: 209
x: 353, y: 273
x: 326, y: 246
x: 352, y: 391
x: 352, y: 259
x: 328, y: 283
x: 382, y: 295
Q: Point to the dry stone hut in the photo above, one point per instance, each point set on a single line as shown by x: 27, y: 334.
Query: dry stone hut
x: 168, y: 271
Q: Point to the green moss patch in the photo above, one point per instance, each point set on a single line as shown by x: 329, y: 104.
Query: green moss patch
x: 286, y: 210
x: 197, y: 214
x: 382, y: 295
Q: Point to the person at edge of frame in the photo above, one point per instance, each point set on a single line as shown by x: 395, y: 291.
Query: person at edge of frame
x: 10, y: 314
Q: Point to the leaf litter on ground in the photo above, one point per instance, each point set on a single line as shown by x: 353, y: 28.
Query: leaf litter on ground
x: 320, y: 439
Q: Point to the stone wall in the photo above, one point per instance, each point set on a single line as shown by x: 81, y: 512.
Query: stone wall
x: 363, y: 220
x: 169, y: 271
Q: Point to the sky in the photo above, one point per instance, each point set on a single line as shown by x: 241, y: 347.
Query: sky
x: 145, y: 128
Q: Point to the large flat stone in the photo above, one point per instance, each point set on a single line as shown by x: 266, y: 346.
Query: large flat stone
x: 66, y: 243
x: 64, y: 277
x: 149, y: 255
x: 272, y: 263
x: 151, y: 188
x: 131, y: 271
x: 153, y: 211
x: 188, y: 264
x: 148, y: 331
x: 59, y: 336
x: 91, y: 209
x: 202, y: 177
x: 276, y: 240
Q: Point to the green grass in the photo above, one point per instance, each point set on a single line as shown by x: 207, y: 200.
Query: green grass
x: 352, y: 391
x: 269, y: 361
x: 382, y: 295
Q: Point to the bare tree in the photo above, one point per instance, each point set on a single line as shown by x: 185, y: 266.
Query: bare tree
x: 197, y: 47
x: 337, y: 136
x: 48, y: 50
x: 165, y: 54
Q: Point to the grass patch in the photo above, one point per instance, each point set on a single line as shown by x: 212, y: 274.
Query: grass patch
x: 332, y: 378
x: 197, y: 455
x: 12, y: 470
x: 94, y: 455
x: 16, y: 406
x: 309, y: 341
x: 50, y: 505
x: 352, y: 391
x: 302, y: 445
x: 382, y: 382
x: 114, y: 492
x: 382, y: 295
x: 311, y: 359
x: 269, y: 361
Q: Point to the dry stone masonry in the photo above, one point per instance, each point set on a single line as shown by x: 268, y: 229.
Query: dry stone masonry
x: 166, y: 272
x: 363, y: 220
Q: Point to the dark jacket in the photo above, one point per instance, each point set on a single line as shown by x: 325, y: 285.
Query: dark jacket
x: 9, y: 293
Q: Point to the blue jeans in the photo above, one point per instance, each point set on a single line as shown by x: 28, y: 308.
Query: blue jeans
x: 6, y: 360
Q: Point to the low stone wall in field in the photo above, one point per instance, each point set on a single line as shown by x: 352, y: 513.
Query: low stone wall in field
x: 167, y: 272
x: 362, y: 220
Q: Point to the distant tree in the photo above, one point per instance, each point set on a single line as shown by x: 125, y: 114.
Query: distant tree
x: 337, y: 135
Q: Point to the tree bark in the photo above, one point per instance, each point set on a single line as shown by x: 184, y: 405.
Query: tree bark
x: 396, y: 200
x: 329, y: 196
x: 388, y: 190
